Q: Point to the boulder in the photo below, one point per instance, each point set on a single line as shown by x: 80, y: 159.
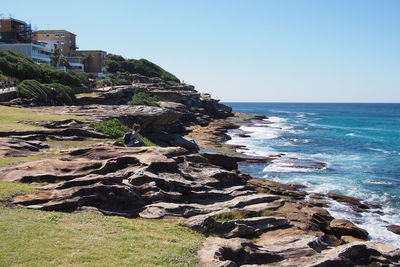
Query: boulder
x: 394, y: 228
x: 349, y: 200
x: 341, y: 227
x: 150, y: 118
x: 246, y: 227
x: 294, y: 251
x: 17, y: 147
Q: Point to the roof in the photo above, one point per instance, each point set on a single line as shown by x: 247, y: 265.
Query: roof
x: 88, y: 51
x: 54, y: 31
x: 16, y: 20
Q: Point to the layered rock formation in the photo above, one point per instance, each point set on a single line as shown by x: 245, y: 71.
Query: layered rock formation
x: 251, y: 221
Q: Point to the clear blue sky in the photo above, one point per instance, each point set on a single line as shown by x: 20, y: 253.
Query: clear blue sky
x: 245, y: 50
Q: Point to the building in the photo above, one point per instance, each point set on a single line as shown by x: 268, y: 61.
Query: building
x: 65, y: 40
x: 93, y: 60
x: 38, y: 52
x: 16, y: 35
x: 15, y: 31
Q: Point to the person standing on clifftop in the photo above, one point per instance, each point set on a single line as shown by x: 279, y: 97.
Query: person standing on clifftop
x: 133, y: 139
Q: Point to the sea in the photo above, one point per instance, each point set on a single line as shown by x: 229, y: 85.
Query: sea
x: 358, y: 144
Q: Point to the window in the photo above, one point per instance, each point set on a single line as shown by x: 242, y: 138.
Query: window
x: 62, y: 42
x: 61, y: 35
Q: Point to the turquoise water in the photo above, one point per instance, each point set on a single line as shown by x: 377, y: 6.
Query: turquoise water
x: 360, y: 144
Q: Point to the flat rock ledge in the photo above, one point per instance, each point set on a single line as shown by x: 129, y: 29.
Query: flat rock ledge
x: 305, y: 251
x: 209, y: 196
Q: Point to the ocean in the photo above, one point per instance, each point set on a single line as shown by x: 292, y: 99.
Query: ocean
x: 359, y: 144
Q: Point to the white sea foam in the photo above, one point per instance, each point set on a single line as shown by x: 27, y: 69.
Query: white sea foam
x: 263, y: 138
x: 371, y: 221
x: 370, y: 181
x: 380, y: 150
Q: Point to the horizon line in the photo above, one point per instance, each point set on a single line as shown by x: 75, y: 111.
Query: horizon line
x: 305, y: 102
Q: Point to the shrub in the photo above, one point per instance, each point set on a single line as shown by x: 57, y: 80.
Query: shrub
x: 140, y: 98
x: 142, y: 66
x: 116, y: 130
x: 63, y: 95
x: 52, y: 94
x: 113, y: 128
x: 32, y: 89
x: 18, y: 65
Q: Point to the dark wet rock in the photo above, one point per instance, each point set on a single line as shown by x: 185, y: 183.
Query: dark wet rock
x: 341, y: 227
x: 224, y: 161
x: 243, y: 135
x: 231, y: 162
x: 349, y: 200
x: 394, y: 228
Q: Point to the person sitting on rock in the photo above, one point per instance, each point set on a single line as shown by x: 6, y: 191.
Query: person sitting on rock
x: 133, y: 139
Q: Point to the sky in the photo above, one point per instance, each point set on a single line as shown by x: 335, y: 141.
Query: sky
x: 244, y: 50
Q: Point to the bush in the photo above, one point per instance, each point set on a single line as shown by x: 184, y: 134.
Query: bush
x: 113, y: 128
x: 116, y: 130
x: 63, y: 95
x: 32, y: 89
x: 18, y: 65
x: 140, y: 98
x: 142, y: 66
x: 52, y: 94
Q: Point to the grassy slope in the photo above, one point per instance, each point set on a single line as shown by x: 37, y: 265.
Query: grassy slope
x: 42, y: 238
x: 9, y: 117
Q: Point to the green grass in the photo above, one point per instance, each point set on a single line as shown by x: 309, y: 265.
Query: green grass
x: 10, y: 117
x: 42, y: 238
x: 10, y: 190
x: 239, y: 214
x: 57, y: 145
x: 141, y: 98
x: 92, y: 95
x: 14, y: 160
x: 39, y: 238
x: 116, y: 129
x: 113, y: 128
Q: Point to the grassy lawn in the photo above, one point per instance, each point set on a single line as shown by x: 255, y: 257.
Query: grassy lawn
x: 40, y: 238
x: 9, y: 117
x: 93, y: 95
x: 4, y: 162
x: 56, y: 145
x: 10, y: 190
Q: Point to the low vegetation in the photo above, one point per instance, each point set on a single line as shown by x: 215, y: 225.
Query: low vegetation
x: 142, y: 66
x: 51, y: 94
x: 91, y: 95
x: 10, y: 118
x: 113, y: 128
x: 43, y: 238
x: 141, y: 98
x: 59, y: 145
x: 10, y: 190
x: 116, y: 130
x: 7, y: 161
x: 18, y: 65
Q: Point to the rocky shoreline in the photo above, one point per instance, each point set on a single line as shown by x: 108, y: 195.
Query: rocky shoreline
x: 193, y: 176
